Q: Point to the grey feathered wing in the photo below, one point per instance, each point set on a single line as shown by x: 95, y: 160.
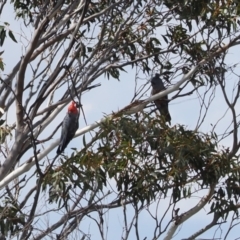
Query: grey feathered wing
x: 69, y: 127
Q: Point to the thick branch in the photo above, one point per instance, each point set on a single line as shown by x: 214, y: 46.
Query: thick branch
x: 185, y: 216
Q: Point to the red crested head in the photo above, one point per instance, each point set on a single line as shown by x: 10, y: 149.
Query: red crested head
x: 72, y: 107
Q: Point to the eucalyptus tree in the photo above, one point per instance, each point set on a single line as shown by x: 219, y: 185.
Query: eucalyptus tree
x: 130, y: 160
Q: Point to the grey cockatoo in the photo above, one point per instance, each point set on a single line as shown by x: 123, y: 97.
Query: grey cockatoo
x: 161, y: 103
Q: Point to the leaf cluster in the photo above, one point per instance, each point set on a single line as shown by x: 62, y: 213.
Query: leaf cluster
x: 12, y: 220
x: 146, y: 158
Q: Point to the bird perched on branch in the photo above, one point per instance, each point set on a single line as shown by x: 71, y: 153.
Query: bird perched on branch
x: 161, y: 103
x: 69, y: 126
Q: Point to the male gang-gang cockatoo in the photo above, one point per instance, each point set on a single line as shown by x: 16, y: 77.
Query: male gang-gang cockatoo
x: 69, y: 126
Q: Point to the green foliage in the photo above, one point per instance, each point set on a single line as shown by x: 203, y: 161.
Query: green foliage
x: 4, y: 132
x: 3, y: 33
x: 3, y: 30
x: 11, y: 218
x: 130, y: 42
x: 146, y: 158
x: 23, y: 8
x: 213, y: 13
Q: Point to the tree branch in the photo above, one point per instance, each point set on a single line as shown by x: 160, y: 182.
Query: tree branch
x: 130, y: 109
x: 185, y: 216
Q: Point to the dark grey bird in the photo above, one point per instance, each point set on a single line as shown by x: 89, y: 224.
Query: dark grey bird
x: 69, y: 126
x: 162, y: 103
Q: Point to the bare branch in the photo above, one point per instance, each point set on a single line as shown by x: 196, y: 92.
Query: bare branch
x: 185, y: 216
